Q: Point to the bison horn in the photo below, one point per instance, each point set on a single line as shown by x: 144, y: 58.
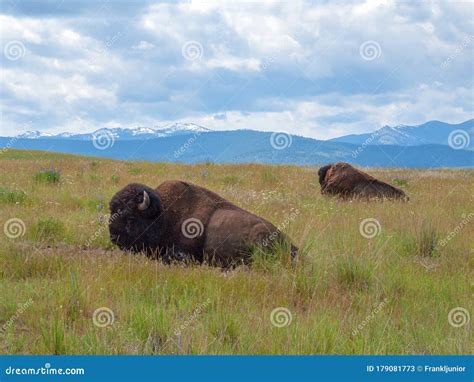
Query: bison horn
x: 146, y: 202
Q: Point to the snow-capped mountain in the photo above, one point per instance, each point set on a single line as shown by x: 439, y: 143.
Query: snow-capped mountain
x: 179, y: 128
x: 433, y: 132
x: 33, y: 134
x: 140, y: 132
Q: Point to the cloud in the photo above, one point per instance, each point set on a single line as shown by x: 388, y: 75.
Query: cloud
x: 315, y: 69
x: 143, y: 45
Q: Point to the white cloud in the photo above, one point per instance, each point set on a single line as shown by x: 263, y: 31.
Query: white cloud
x: 269, y: 65
x: 143, y: 45
x: 233, y: 63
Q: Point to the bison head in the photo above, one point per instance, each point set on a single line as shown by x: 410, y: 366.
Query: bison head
x: 134, y: 222
x: 322, y: 173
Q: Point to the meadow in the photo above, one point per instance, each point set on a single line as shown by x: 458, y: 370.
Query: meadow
x: 398, y: 283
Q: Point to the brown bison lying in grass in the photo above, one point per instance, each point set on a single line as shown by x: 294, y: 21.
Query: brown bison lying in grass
x: 179, y: 221
x: 343, y: 180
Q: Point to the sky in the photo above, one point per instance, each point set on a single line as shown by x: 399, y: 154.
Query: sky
x: 320, y: 69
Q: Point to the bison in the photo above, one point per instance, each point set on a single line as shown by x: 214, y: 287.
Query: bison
x: 179, y: 221
x: 343, y: 180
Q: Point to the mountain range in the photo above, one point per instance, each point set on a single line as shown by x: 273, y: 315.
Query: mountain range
x: 430, y: 145
x: 137, y: 133
x: 433, y: 132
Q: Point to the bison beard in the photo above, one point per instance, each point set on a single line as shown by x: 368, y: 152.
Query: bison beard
x: 181, y: 221
x: 345, y: 181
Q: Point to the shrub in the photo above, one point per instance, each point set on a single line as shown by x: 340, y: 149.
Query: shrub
x: 48, y: 176
x: 15, y: 196
x: 400, y: 182
x: 268, y: 176
x: 94, y: 178
x: 96, y: 204
x: 135, y: 170
x: 426, y: 240
x: 115, y: 178
x: 271, y: 255
x: 352, y: 273
x: 49, y: 229
x: 231, y: 180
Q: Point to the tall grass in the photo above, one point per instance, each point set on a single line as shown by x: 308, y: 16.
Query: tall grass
x: 346, y: 294
x: 48, y: 176
x: 12, y: 196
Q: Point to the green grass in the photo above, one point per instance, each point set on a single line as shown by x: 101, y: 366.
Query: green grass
x: 400, y: 182
x: 49, y: 230
x: 48, y: 176
x: 347, y: 294
x: 12, y: 196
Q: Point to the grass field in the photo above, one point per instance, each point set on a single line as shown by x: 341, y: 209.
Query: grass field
x: 399, y: 284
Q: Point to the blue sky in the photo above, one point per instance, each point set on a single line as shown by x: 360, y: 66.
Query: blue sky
x: 319, y: 69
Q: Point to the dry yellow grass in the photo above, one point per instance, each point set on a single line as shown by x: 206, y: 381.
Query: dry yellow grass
x: 390, y: 294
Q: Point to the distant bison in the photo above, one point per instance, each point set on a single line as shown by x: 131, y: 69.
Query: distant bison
x: 344, y: 180
x: 183, y: 222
